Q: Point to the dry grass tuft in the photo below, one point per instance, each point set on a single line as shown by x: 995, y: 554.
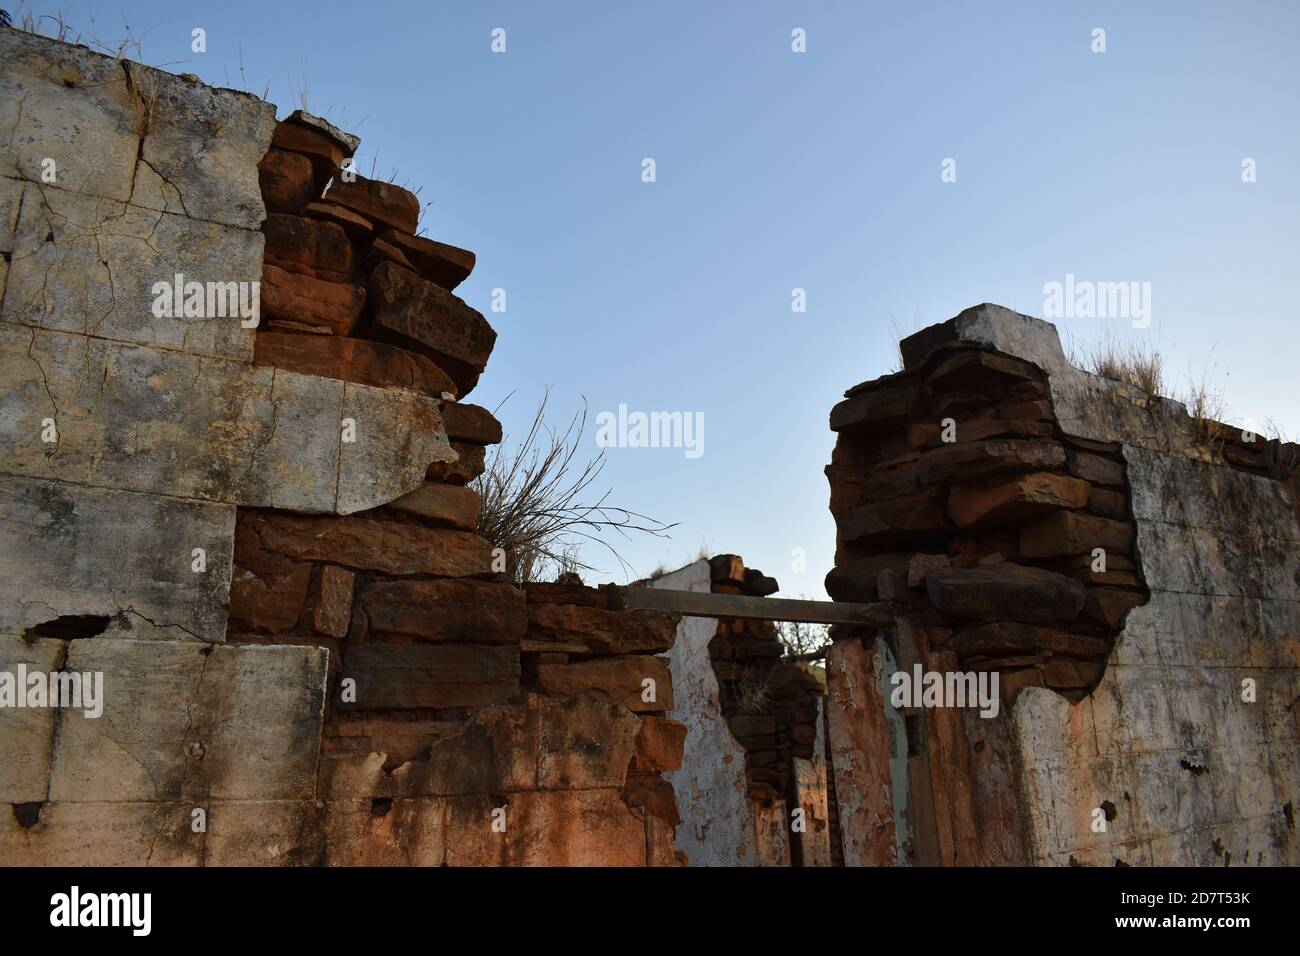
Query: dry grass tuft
x: 1204, y: 401
x: 1129, y: 363
x: 533, y: 505
x: 1143, y: 367
x: 754, y: 691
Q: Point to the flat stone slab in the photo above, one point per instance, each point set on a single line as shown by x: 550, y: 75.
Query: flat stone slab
x: 1211, y: 497
x: 189, y: 720
x: 348, y: 142
x: 139, y: 419
x: 103, y: 834
x: 97, y: 274
x: 72, y: 550
x: 127, y: 132
x: 447, y: 610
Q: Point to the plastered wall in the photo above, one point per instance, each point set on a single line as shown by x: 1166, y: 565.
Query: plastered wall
x: 1181, y: 747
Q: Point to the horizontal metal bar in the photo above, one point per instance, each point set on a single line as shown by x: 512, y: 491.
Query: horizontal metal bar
x: 706, y: 604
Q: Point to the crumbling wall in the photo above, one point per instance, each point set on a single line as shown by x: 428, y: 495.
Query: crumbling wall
x: 1129, y: 574
x: 258, y: 528
x: 753, y: 785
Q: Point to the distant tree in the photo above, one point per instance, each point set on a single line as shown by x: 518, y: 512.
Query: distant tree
x: 803, y: 641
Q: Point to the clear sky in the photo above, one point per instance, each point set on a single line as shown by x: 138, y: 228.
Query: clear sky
x: 777, y: 170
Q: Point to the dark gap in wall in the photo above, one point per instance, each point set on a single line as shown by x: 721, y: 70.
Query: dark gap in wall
x: 27, y: 814
x: 915, y: 726
x: 70, y: 627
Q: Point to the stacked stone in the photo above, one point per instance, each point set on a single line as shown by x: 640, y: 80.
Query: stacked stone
x: 956, y: 494
x: 770, y: 704
x: 347, y: 582
x: 452, y: 691
x: 575, y: 645
x: 348, y: 290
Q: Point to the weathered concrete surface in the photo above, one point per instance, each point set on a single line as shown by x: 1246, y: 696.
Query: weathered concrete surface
x: 71, y: 550
x: 264, y: 833
x: 103, y: 834
x: 94, y: 131
x: 27, y: 734
x: 185, y: 726
x: 123, y: 131
x: 864, y: 744
x: 184, y: 720
x: 811, y: 791
x: 152, y: 175
x: 1196, y: 774
x: 87, y: 265
x: 141, y: 419
x: 721, y: 825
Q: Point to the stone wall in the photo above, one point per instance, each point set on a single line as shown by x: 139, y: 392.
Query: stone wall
x: 236, y: 460
x: 258, y: 529
x: 1128, y: 572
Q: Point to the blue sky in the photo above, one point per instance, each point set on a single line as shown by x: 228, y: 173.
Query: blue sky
x: 820, y: 171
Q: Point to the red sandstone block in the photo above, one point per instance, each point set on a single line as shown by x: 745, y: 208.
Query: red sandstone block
x: 287, y: 181
x: 378, y: 201
x: 447, y: 266
x: 351, y: 360
x: 309, y: 247
x: 416, y: 314
x: 301, y: 302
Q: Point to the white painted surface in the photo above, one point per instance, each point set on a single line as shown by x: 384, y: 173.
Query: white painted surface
x: 719, y: 825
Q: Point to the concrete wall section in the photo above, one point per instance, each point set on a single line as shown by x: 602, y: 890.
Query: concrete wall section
x: 719, y: 825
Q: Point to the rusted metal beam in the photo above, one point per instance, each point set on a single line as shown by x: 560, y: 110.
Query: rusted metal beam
x: 705, y: 604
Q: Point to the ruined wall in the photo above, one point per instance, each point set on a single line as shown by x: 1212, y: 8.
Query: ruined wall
x: 977, y: 490
x: 257, y: 527
x: 754, y: 743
